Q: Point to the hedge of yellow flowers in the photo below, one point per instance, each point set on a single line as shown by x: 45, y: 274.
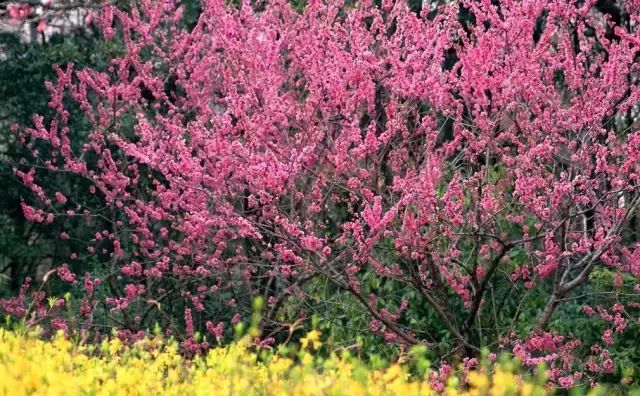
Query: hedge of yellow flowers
x: 29, y: 365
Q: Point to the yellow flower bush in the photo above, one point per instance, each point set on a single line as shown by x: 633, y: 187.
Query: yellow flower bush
x: 312, y: 339
x: 31, y: 366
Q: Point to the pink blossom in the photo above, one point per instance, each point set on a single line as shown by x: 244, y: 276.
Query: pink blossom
x: 608, y: 366
x: 188, y: 322
x: 42, y: 26
x: 565, y: 382
x: 19, y: 12
x: 65, y: 273
x: 59, y: 324
x: 216, y: 330
x: 61, y: 198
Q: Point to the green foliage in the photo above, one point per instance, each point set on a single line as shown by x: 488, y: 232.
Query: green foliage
x: 28, y: 249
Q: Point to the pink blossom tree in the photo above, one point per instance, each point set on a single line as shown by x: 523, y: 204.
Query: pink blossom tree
x: 477, y: 145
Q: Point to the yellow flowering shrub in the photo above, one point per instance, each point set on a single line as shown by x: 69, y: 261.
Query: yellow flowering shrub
x: 31, y: 366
